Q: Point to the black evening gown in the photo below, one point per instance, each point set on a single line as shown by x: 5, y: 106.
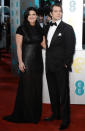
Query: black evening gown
x: 28, y: 105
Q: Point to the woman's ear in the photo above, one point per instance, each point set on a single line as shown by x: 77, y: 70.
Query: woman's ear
x: 51, y: 14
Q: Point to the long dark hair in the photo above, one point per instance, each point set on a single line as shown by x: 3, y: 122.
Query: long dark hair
x: 26, y: 14
x: 27, y: 11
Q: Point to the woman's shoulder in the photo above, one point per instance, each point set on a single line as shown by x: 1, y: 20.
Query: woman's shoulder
x: 20, y: 29
x: 38, y: 26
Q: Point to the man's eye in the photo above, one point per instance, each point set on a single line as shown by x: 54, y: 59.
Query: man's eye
x: 33, y: 14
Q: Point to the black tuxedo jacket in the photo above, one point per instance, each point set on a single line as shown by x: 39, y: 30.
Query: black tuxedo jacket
x: 61, y: 48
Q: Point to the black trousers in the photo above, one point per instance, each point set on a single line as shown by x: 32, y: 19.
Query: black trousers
x: 58, y: 85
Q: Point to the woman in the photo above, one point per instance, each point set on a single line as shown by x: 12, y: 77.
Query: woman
x: 29, y: 38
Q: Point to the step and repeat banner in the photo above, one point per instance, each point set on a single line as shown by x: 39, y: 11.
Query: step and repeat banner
x: 73, y: 15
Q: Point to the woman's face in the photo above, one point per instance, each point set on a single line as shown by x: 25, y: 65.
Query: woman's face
x: 32, y: 17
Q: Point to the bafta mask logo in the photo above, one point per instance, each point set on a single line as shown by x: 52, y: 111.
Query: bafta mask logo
x: 79, y: 65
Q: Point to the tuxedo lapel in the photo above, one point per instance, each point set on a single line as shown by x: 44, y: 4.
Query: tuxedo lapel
x: 57, y: 31
x: 46, y: 32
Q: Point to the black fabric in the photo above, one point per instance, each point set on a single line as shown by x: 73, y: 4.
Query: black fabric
x: 62, y: 46
x: 60, y: 52
x: 31, y: 50
x: 58, y: 85
x: 28, y: 104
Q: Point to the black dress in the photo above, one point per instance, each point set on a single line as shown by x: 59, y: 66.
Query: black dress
x: 28, y: 104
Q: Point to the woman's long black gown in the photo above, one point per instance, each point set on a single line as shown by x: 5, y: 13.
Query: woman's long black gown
x: 28, y: 105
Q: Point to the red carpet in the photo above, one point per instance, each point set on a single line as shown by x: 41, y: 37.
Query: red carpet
x: 8, y: 87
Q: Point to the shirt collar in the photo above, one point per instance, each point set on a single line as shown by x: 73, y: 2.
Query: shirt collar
x: 58, y: 22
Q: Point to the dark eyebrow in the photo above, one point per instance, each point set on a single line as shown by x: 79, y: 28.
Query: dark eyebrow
x: 33, y: 14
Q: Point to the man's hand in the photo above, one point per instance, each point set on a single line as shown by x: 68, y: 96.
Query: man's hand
x: 65, y: 66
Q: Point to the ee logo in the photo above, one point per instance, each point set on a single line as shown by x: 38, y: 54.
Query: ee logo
x: 72, y: 5
x: 79, y: 88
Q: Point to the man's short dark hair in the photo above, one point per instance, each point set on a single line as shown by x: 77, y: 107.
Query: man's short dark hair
x: 58, y: 5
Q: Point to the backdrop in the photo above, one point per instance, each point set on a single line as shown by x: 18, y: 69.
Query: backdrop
x: 72, y: 14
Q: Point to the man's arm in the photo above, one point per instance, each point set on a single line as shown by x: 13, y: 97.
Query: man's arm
x: 69, y: 46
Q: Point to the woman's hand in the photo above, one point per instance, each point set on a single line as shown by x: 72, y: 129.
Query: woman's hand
x: 43, y: 43
x: 22, y: 66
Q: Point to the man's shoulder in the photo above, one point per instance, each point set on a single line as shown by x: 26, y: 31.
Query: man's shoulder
x: 66, y: 25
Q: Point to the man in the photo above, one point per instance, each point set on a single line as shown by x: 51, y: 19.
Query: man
x: 48, y: 19
x: 41, y: 19
x: 60, y: 44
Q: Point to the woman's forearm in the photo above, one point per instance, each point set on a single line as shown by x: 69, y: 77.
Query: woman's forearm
x: 19, y: 54
x: 19, y: 39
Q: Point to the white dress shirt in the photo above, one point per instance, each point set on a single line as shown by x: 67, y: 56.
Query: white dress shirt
x: 51, y: 32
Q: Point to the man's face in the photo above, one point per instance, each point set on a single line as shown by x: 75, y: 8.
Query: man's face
x: 56, y: 13
x: 41, y: 18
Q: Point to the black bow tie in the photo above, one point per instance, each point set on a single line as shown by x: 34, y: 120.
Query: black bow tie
x: 51, y: 24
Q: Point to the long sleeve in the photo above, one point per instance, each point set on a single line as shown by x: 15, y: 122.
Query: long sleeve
x: 69, y: 46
